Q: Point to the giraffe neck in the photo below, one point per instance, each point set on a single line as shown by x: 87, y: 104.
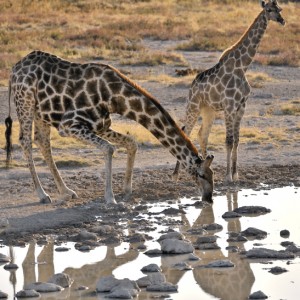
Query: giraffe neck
x: 245, y: 49
x: 140, y: 106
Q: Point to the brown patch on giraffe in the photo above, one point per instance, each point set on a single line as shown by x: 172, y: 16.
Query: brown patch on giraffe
x: 118, y: 105
x: 115, y: 87
x: 45, y: 105
x: 159, y: 124
x: 144, y: 120
x: 56, y: 103
x: 131, y: 115
x: 81, y: 101
x: 136, y: 105
x: 68, y: 103
x: 105, y: 93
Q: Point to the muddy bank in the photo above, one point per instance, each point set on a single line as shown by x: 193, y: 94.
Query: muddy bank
x: 29, y: 219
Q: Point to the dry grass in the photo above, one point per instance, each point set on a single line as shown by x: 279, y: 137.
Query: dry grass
x: 291, y: 108
x: 91, y: 29
x: 248, y: 135
x: 258, y: 79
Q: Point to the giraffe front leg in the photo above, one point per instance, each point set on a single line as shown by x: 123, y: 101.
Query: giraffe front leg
x: 83, y: 132
x: 236, y: 136
x: 130, y: 144
x: 229, y: 145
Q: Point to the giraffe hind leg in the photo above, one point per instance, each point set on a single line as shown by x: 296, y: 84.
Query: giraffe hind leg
x: 42, y: 139
x: 25, y: 117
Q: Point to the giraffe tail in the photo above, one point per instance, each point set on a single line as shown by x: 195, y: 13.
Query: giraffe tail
x: 8, y: 132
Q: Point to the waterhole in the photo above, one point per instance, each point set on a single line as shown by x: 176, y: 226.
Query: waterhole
x: 39, y: 262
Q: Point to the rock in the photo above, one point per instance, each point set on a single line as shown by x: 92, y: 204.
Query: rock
x: 237, y: 238
x: 248, y: 210
x: 153, y: 278
x: 62, y: 249
x: 173, y: 211
x: 27, y: 294
x: 122, y: 293
x: 182, y: 266
x: 212, y: 227
x: 277, y: 270
x: 43, y: 287
x: 219, y: 264
x: 153, y: 252
x: 105, y: 284
x: 125, y: 289
x: 268, y: 253
x: 11, y: 266
x: 293, y: 249
x: 286, y: 243
x: 4, y: 258
x: 254, y: 232
x: 208, y: 246
x: 3, y: 295
x: 193, y: 257
x: 258, y: 295
x: 61, y: 279
x: 118, y: 288
x: 151, y: 268
x: 206, y: 239
x: 82, y: 288
x: 103, y: 229
x: 136, y: 238
x: 84, y: 248
x: 284, y: 233
x: 171, y: 246
x: 196, y: 231
x: 171, y: 235
x: 231, y: 215
x: 162, y: 287
x: 85, y: 235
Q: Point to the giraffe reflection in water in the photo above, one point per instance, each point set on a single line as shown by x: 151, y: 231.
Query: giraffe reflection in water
x: 87, y: 275
x: 228, y: 284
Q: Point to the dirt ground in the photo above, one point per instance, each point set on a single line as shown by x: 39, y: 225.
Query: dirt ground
x: 260, y: 165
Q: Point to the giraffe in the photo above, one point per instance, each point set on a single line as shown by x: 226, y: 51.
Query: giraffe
x: 77, y: 99
x: 224, y: 87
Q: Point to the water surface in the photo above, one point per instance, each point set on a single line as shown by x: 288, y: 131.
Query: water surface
x: 39, y: 263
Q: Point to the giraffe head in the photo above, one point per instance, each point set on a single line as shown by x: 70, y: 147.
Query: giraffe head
x: 205, y: 178
x: 272, y: 11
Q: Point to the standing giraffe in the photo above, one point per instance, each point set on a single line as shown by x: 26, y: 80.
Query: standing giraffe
x: 225, y: 87
x: 77, y: 100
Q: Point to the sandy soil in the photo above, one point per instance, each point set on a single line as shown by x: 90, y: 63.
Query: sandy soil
x: 259, y: 165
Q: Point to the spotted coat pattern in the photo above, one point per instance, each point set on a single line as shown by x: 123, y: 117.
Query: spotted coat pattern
x: 224, y: 87
x: 77, y: 99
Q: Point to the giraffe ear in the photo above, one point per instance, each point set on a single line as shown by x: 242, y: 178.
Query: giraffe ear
x: 262, y: 3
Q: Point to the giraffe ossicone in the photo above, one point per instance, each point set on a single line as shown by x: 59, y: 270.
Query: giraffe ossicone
x: 224, y: 87
x: 77, y: 99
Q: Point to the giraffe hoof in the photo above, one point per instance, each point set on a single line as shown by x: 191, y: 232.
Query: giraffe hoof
x: 175, y: 177
x: 235, y: 177
x: 46, y: 199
